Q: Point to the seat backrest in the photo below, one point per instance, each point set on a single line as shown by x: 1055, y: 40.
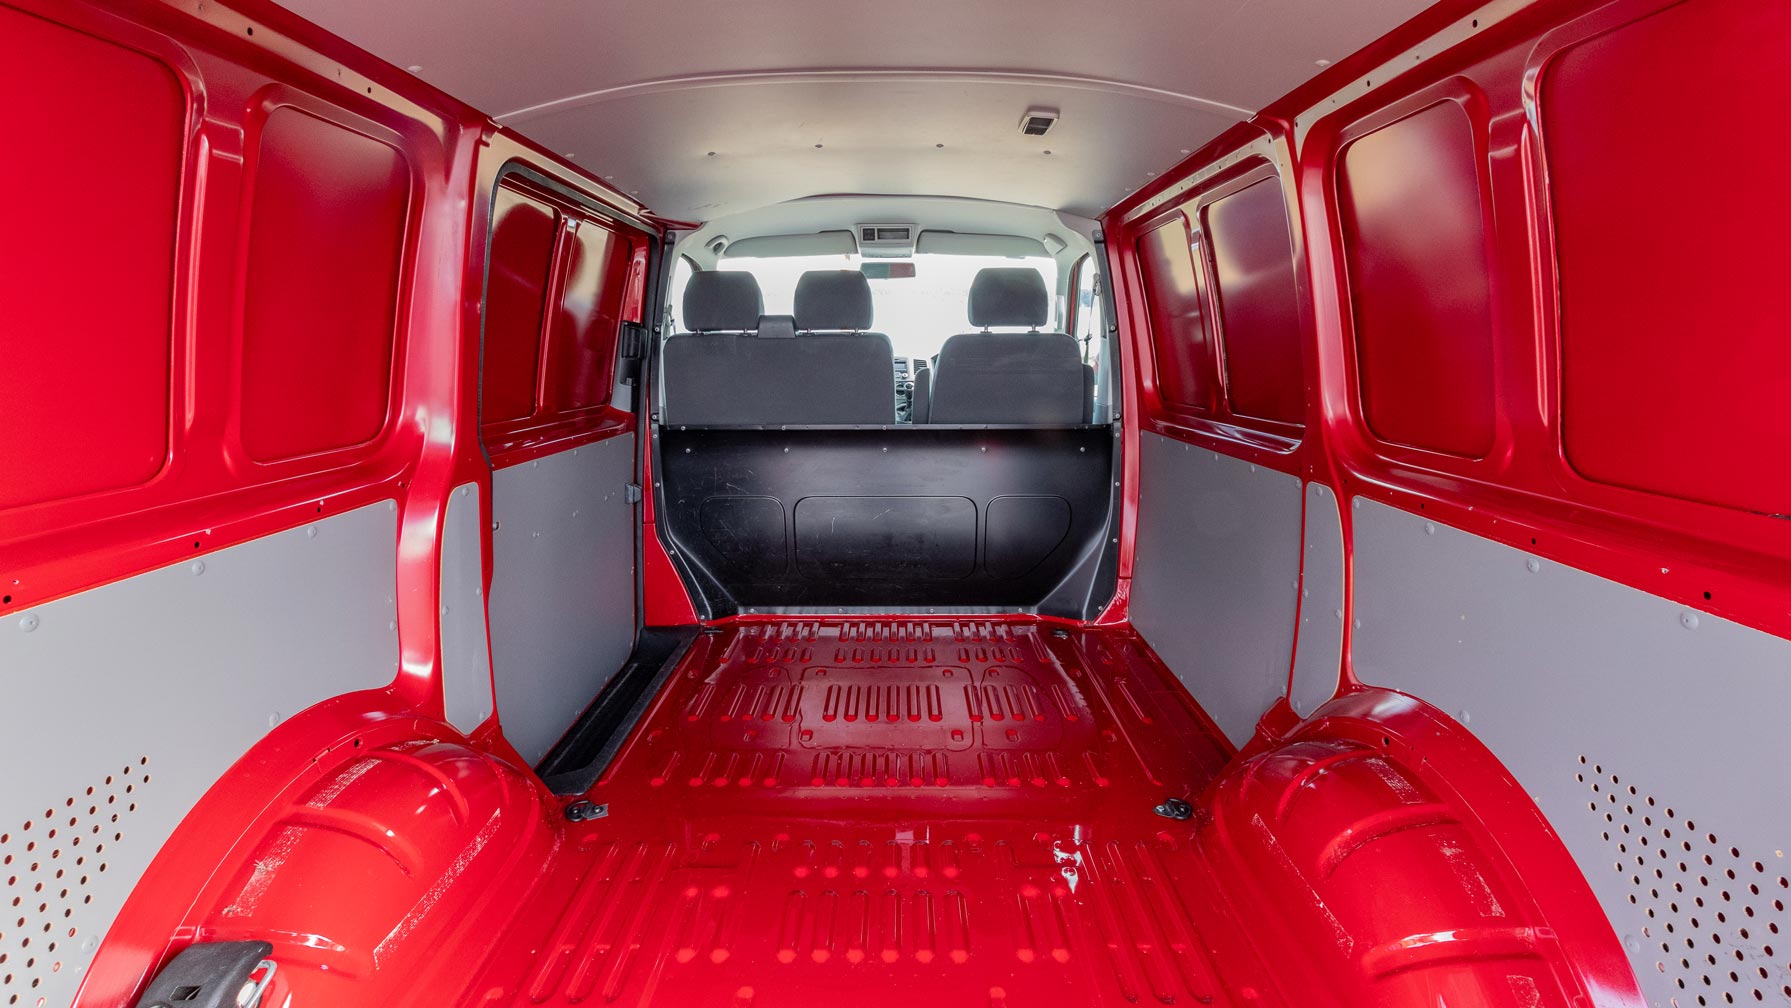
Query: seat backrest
x: 717, y: 301
x: 1009, y: 378
x: 770, y: 375
x: 717, y: 308
x: 833, y: 301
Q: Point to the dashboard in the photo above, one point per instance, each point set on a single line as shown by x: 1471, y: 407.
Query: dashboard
x: 904, y: 389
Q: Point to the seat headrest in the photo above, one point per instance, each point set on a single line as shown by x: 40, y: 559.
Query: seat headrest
x: 1009, y: 296
x: 777, y: 327
x: 725, y: 301
x: 833, y: 299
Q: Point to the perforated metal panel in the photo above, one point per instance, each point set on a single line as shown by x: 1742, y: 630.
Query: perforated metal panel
x: 1716, y: 921
x: 1546, y: 665
x: 125, y: 703
x: 49, y: 863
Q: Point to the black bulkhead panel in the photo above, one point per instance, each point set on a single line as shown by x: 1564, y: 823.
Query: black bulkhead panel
x: 906, y: 518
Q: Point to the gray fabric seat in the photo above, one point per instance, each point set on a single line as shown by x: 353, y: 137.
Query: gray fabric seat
x: 1010, y: 378
x: 738, y: 371
x: 834, y: 301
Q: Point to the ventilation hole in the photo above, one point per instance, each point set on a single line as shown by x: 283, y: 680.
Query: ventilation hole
x: 57, y: 894
x: 1721, y: 957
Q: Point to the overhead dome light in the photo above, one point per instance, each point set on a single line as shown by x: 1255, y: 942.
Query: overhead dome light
x: 1037, y: 121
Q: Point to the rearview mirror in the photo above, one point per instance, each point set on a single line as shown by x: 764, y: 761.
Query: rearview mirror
x: 886, y: 270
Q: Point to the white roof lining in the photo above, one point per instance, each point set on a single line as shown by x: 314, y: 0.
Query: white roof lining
x: 704, y: 108
x: 872, y: 75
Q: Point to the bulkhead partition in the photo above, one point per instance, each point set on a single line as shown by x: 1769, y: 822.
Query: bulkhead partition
x: 932, y: 518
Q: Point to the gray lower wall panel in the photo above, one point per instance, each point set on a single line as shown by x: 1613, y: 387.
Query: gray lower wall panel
x: 1318, y: 653
x: 1215, y: 580
x: 1653, y: 736
x: 466, y: 648
x: 146, y: 691
x: 562, y: 587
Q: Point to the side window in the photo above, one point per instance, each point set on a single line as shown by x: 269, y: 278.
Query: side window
x: 1091, y: 328
x: 681, y: 271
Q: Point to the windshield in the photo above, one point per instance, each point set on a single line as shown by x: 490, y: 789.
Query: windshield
x: 919, y: 312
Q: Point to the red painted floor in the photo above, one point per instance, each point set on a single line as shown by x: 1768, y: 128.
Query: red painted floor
x: 891, y: 814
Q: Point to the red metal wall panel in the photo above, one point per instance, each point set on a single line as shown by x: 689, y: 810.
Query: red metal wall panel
x: 320, y: 285
x: 1630, y: 218
x: 561, y: 277
x: 1258, y: 296
x: 1412, y: 221
x: 1176, y: 300
x: 582, y: 342
x: 1676, y: 349
x: 85, y: 386
x: 522, y: 241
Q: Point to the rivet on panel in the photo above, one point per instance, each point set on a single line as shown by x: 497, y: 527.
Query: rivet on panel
x: 1356, y: 623
x: 1532, y: 565
x: 28, y: 622
x: 465, y: 490
x: 1464, y: 717
x: 391, y: 505
x: 391, y: 624
x: 310, y: 532
x: 1430, y: 528
x: 1688, y: 620
x: 273, y: 718
x: 197, y: 567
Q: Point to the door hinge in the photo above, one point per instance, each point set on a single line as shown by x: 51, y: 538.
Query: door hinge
x: 634, y: 493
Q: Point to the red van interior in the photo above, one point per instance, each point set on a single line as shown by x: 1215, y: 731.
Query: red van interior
x: 978, y: 503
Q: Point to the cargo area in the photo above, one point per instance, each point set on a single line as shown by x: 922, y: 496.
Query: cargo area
x: 888, y: 810
x: 792, y: 504
x: 1011, y: 812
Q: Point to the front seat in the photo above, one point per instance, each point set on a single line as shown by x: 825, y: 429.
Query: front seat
x: 1012, y: 377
